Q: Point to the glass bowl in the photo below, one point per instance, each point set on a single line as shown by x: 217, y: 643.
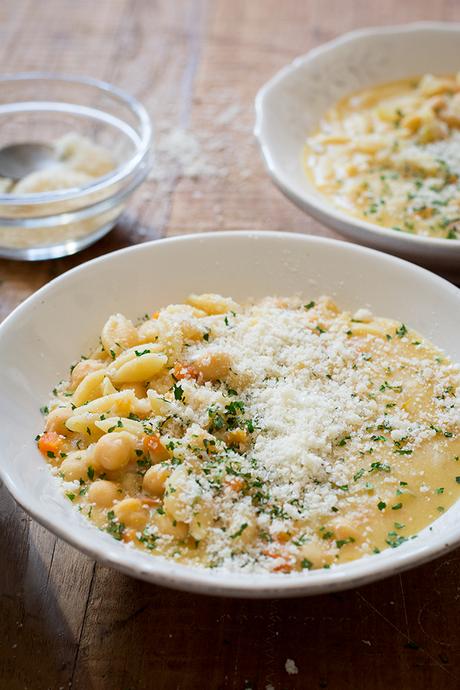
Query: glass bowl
x: 42, y: 107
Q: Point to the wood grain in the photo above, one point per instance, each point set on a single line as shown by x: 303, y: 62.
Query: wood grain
x: 69, y: 623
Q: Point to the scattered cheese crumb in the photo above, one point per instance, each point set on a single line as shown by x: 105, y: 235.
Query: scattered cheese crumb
x: 364, y: 315
x: 291, y: 667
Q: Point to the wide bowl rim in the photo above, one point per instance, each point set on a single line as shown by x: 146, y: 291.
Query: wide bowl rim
x: 311, y: 201
x: 119, y: 174
x: 160, y: 571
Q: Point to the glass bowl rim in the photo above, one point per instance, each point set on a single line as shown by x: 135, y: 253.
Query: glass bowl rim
x: 119, y: 174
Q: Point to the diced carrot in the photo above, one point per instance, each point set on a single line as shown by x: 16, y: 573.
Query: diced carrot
x: 236, y: 483
x: 154, y: 448
x: 425, y: 212
x: 283, y: 568
x: 283, y: 537
x: 184, y: 371
x: 129, y: 535
x: 155, y: 314
x: 236, y: 437
x: 50, y: 444
x: 271, y: 554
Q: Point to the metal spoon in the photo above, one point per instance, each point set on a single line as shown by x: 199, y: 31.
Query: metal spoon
x: 19, y: 160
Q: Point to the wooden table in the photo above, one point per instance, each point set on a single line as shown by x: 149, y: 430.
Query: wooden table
x: 66, y: 622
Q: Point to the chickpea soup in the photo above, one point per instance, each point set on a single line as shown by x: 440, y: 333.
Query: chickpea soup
x: 281, y: 435
x: 391, y: 155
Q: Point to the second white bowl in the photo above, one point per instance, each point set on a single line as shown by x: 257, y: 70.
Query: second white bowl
x: 291, y: 104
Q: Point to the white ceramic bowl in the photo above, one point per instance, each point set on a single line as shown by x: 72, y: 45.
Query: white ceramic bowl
x: 292, y: 103
x: 63, y: 319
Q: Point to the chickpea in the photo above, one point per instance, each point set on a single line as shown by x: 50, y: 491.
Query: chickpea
x: 131, y: 513
x: 174, y: 528
x: 200, y: 522
x: 114, y: 451
x: 213, y: 366
x: 56, y: 420
x: 82, y: 369
x: 130, y: 483
x: 92, y: 460
x: 103, y: 493
x: 74, y: 467
x: 155, y: 479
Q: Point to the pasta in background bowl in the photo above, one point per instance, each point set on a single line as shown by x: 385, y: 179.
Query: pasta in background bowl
x: 290, y: 107
x: 55, y: 326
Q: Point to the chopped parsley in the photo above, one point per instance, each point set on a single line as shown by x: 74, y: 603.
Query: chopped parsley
x: 240, y: 531
x: 341, y: 542
x: 379, y: 467
x: 139, y: 353
x: 306, y: 564
x: 401, y: 331
x: 394, y: 539
x: 148, y: 540
x: 178, y: 391
x: 114, y: 528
